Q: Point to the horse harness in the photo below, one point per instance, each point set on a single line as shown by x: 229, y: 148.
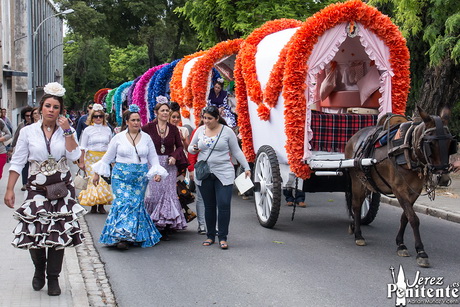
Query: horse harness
x: 402, y: 150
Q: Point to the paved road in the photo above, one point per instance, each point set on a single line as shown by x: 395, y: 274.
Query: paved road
x: 311, y: 261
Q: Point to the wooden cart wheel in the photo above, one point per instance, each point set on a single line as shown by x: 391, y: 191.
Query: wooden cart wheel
x: 369, y: 208
x: 267, y: 186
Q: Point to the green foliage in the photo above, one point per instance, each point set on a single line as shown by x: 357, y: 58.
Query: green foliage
x: 439, y: 20
x: 86, y: 70
x: 128, y: 63
x: 150, y: 23
x: 218, y: 20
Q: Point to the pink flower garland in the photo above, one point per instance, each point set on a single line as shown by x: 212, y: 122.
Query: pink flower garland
x: 139, y: 92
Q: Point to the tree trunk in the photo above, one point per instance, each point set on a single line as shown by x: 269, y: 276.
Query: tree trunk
x: 151, y: 51
x: 180, y: 30
x: 440, y: 88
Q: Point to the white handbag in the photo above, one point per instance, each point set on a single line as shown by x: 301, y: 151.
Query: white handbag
x: 81, y: 182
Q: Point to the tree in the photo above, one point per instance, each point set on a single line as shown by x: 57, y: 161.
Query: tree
x: 432, y: 29
x: 86, y: 71
x: 128, y: 63
x: 219, y: 20
x: 150, y: 23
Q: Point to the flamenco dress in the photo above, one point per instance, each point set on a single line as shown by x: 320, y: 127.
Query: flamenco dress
x: 94, y: 140
x: 161, y: 200
x: 45, y: 223
x: 220, y: 101
x: 128, y: 219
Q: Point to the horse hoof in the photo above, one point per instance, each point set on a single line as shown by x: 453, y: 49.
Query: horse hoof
x: 360, y: 242
x: 403, y: 253
x: 423, y: 262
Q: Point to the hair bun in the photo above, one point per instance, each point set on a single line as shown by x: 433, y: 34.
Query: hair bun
x: 175, y: 106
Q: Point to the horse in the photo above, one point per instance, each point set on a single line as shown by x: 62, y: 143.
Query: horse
x: 402, y: 167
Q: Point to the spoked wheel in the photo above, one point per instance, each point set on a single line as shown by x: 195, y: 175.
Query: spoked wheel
x: 369, y: 208
x: 267, y: 186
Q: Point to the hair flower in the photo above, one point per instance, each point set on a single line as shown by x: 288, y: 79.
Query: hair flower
x: 162, y: 100
x: 220, y: 80
x: 55, y: 89
x: 133, y: 108
x: 98, y: 107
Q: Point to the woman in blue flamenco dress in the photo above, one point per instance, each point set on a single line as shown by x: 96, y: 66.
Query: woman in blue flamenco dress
x: 128, y: 223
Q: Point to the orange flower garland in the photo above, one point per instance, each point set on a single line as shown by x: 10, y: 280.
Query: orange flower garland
x: 296, y: 68
x: 244, y: 122
x: 248, y: 53
x: 202, y: 69
x: 175, y: 85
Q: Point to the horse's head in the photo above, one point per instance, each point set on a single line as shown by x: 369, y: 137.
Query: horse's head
x: 434, y: 143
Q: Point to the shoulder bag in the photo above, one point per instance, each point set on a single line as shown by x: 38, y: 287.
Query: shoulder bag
x: 202, y: 170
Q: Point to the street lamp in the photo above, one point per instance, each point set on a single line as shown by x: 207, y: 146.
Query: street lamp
x: 45, y: 66
x: 33, y: 91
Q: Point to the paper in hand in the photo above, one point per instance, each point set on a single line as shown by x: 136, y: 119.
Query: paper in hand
x: 242, y: 183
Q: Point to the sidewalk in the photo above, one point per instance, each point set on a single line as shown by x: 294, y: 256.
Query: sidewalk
x: 83, y: 280
x: 446, y: 204
x: 17, y: 268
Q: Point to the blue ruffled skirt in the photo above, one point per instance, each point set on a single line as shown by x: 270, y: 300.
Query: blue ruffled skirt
x: 128, y: 220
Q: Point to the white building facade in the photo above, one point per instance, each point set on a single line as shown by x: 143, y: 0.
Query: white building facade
x: 31, y: 52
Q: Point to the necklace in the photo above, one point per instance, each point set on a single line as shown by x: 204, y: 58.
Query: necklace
x: 134, y: 144
x: 161, y: 133
x: 48, y: 128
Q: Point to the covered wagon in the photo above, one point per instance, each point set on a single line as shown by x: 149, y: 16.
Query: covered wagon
x: 303, y: 89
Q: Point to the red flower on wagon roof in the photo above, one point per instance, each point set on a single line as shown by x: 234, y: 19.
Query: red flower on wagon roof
x: 100, y: 94
x: 175, y: 85
x: 244, y: 122
x: 248, y: 54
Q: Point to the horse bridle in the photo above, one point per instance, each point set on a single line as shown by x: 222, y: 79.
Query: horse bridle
x: 443, y: 137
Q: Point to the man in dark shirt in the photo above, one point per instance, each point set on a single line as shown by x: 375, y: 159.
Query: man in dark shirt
x: 81, y: 125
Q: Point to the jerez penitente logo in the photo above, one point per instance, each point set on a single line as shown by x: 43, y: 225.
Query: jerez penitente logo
x: 422, y: 290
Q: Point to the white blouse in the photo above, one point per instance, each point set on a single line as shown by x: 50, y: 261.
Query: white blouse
x: 96, y: 138
x: 31, y: 146
x: 121, y: 150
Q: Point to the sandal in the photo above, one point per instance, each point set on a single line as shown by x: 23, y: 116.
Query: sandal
x: 208, y: 242
x: 223, y: 244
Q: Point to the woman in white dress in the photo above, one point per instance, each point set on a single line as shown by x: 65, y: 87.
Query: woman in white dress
x: 94, y: 142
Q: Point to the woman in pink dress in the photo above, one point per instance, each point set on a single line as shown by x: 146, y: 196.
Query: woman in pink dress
x: 161, y: 199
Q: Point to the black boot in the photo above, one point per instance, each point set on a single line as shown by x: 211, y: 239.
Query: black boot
x: 53, y: 270
x: 39, y: 259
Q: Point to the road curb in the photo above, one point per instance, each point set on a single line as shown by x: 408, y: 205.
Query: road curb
x: 421, y: 208
x: 76, y: 282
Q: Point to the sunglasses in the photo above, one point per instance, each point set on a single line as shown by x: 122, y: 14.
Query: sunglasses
x: 98, y: 116
x: 90, y: 108
x: 27, y: 115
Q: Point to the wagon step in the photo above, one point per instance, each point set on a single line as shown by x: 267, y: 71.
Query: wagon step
x: 318, y: 164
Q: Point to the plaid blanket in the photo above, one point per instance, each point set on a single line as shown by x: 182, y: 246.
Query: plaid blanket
x: 332, y: 131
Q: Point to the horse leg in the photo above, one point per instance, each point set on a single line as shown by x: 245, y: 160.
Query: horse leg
x: 422, y: 256
x: 402, y: 249
x: 357, y: 200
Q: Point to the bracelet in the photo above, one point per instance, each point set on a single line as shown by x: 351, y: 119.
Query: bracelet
x: 68, y: 132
